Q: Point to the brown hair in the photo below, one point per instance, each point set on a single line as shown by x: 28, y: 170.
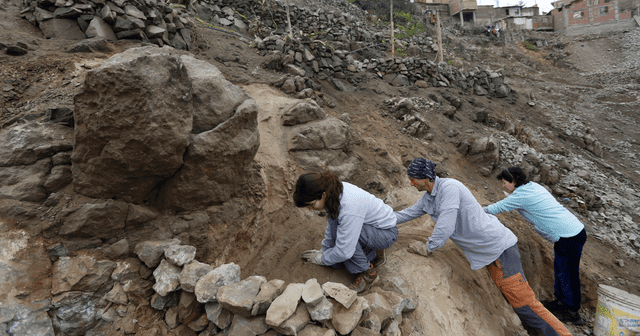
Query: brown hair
x: 310, y: 187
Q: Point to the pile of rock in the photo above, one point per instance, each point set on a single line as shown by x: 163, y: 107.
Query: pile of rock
x: 111, y: 20
x: 219, y: 300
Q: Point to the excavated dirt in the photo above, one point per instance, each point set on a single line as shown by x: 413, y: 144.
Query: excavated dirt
x: 271, y: 234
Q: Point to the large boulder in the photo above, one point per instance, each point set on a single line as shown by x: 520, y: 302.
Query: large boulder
x: 481, y: 150
x: 133, y: 120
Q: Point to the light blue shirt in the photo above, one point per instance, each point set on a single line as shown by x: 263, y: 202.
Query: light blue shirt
x: 357, y: 208
x: 460, y: 217
x: 549, y: 218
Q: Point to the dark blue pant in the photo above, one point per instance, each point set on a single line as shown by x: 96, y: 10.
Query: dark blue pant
x: 371, y: 239
x: 566, y: 267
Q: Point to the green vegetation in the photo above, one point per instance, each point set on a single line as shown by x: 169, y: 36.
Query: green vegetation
x: 401, y: 52
x: 405, y: 22
x: 528, y: 45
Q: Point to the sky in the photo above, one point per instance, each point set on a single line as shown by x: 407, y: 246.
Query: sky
x: 545, y: 5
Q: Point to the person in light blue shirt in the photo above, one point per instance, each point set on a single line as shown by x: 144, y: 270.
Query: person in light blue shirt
x: 556, y: 224
x: 358, y: 224
x: 484, y: 241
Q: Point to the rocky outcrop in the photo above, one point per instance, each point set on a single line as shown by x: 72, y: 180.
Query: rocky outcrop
x: 138, y: 136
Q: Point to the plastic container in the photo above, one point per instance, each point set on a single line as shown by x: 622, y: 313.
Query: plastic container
x: 617, y: 314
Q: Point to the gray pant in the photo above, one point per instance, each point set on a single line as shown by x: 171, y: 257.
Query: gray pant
x: 371, y: 239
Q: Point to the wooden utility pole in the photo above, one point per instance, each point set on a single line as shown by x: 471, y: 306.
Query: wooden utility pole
x: 439, y: 37
x: 289, y: 20
x: 393, y: 50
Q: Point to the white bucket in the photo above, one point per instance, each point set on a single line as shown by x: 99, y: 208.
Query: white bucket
x: 617, y: 314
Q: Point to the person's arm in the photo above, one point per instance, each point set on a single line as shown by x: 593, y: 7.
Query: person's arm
x: 347, y: 235
x: 445, y: 226
x: 512, y: 202
x: 329, y: 234
x: 411, y: 212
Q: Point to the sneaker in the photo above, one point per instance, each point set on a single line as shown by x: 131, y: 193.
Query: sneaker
x: 365, y: 280
x: 380, y: 259
x: 572, y: 317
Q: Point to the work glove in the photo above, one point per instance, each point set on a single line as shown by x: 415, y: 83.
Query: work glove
x: 486, y: 209
x: 418, y: 247
x: 313, y: 256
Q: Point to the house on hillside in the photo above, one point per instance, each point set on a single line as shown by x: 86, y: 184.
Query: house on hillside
x: 463, y: 10
x: 516, y: 17
x: 590, y: 16
x: 431, y: 7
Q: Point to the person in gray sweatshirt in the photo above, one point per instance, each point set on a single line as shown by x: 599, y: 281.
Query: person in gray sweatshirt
x: 358, y: 224
x: 484, y: 241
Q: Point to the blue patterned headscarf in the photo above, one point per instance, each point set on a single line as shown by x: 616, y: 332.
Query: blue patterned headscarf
x: 422, y: 169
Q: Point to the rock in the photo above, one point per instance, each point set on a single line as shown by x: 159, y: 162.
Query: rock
x: 151, y: 252
x: 328, y: 133
x: 207, y: 287
x: 269, y: 291
x: 480, y: 91
x: 296, y: 322
x: 160, y: 302
x: 294, y: 70
x: 95, y: 44
x: 25, y: 183
x: 154, y: 31
x: 399, y: 303
x: 238, y: 297
x: 191, y: 273
x: 289, y: 86
x: 248, y: 326
x: 126, y: 270
x: 76, y: 312
x: 393, y: 329
x: 25, y: 144
x: 135, y: 12
x: 117, y: 295
x: 340, y: 293
x: 81, y: 273
x: 188, y: 307
x: 99, y: 28
x: 584, y: 174
x: 140, y: 214
x: 481, y: 150
x: 199, y: 323
x: 239, y: 24
x: 314, y: 330
x: 15, y: 51
x: 20, y: 320
x: 421, y: 84
x: 179, y: 254
x: 171, y: 317
x: 217, y: 99
x: 61, y: 29
x: 284, y: 305
x: 166, y: 275
x: 502, y: 91
x: 101, y: 220
x: 363, y: 331
x: 59, y: 178
x: 110, y: 136
x: 380, y: 308
x: 321, y: 312
x: 346, y: 319
x: 303, y: 112
x: 218, y: 315
x: 312, y: 293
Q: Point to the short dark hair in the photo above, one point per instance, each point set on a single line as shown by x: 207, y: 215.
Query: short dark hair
x: 311, y: 186
x: 513, y: 174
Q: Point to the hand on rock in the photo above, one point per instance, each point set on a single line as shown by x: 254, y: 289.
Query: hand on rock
x: 313, y: 256
x: 418, y: 247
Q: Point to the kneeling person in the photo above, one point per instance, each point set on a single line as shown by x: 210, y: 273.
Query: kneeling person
x: 358, y: 224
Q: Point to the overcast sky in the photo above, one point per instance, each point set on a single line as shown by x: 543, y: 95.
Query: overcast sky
x: 545, y: 5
